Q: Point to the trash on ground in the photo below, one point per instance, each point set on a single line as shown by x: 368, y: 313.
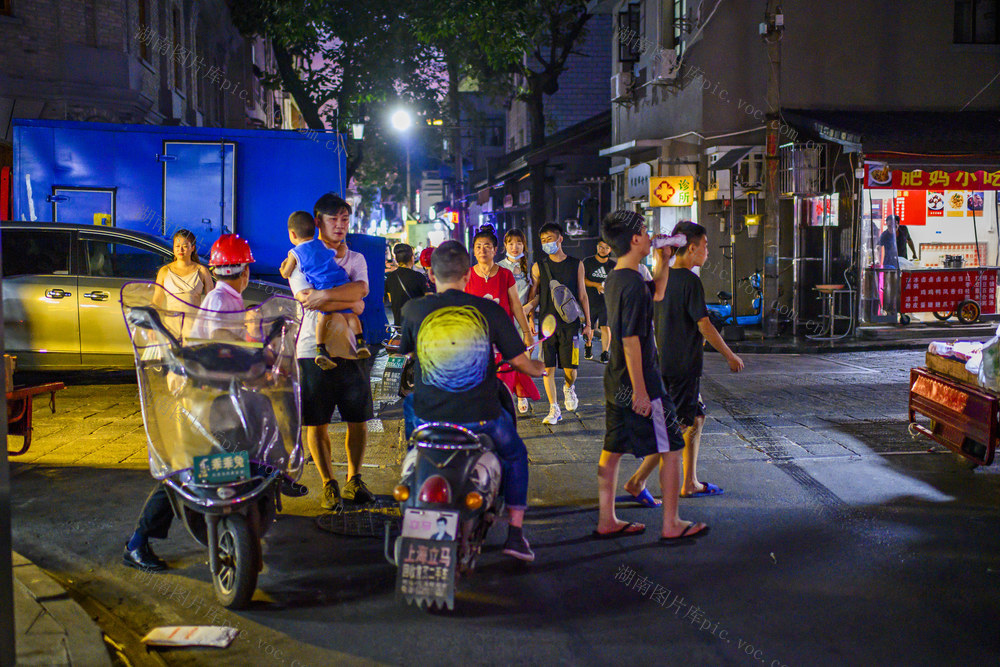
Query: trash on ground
x: 191, y: 635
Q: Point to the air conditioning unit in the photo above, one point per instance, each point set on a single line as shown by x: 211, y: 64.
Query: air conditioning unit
x: 664, y: 66
x: 621, y: 86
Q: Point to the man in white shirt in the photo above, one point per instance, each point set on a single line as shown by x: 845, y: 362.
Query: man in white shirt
x: 346, y: 387
x: 230, y: 261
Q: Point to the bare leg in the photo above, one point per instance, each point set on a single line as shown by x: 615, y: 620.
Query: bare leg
x: 607, y: 482
x: 692, y: 441
x: 670, y: 478
x: 550, y: 384
x: 570, y: 376
x: 605, y: 338
x: 637, y: 482
x: 516, y: 517
x: 357, y: 437
x: 318, y: 442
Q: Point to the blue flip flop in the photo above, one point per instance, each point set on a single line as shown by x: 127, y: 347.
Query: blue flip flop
x: 710, y: 490
x: 645, y: 498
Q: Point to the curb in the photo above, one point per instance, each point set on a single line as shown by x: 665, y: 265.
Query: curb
x: 51, y: 628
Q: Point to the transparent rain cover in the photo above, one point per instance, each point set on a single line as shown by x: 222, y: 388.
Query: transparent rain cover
x: 215, y: 382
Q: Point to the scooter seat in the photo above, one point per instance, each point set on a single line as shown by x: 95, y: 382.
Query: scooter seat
x: 724, y: 296
x: 445, y: 436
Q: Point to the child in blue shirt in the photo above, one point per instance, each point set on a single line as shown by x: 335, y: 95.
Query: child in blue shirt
x: 319, y: 265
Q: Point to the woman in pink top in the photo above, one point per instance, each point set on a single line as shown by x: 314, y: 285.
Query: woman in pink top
x: 491, y: 281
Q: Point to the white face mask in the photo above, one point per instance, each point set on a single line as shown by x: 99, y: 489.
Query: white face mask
x: 514, y: 257
x: 550, y: 248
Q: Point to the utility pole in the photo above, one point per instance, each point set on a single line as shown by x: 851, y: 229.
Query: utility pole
x: 771, y: 31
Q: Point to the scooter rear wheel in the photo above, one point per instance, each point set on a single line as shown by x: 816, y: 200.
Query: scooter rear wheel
x: 238, y: 552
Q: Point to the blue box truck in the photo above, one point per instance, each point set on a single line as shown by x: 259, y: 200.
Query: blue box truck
x: 157, y: 179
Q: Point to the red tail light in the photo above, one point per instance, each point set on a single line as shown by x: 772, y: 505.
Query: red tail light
x: 435, y: 490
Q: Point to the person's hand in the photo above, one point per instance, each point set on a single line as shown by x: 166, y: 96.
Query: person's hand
x: 358, y: 307
x: 531, y: 324
x: 588, y: 333
x: 528, y: 339
x: 310, y: 299
x: 735, y: 364
x: 641, y: 405
x: 600, y: 288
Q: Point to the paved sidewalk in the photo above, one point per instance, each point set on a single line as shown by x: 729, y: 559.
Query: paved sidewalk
x: 50, y: 627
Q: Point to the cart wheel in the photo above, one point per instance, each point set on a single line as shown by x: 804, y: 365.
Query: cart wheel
x: 237, y: 577
x: 943, y: 316
x: 904, y: 319
x: 968, y: 311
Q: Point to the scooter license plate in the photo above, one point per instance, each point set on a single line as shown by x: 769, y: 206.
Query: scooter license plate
x: 430, y: 525
x: 221, y: 468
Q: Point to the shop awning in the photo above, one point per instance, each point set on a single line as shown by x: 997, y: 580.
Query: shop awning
x: 731, y: 158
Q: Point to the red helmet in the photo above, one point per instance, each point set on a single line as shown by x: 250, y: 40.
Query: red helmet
x: 230, y: 250
x: 425, y: 257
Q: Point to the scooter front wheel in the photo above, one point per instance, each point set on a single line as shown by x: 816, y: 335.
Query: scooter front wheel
x: 238, y: 550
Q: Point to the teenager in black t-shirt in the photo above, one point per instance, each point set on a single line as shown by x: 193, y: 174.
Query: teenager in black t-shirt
x: 453, y: 334
x: 640, y: 417
x: 682, y: 327
x: 562, y: 348
x: 404, y: 283
x: 595, y: 272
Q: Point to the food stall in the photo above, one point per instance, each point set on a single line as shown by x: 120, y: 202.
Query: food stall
x: 952, y: 224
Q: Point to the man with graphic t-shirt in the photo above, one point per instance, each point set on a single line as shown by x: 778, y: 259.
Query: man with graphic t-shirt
x: 595, y: 272
x: 455, y: 377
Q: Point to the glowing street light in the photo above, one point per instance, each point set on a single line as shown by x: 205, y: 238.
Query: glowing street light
x: 401, y: 122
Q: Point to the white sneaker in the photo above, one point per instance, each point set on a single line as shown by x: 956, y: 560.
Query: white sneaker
x: 554, y: 416
x: 569, y: 394
x: 522, y: 405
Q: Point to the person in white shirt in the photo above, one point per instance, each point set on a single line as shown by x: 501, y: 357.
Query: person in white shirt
x: 230, y: 261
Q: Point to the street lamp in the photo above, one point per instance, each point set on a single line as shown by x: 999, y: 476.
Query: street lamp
x: 401, y: 122
x: 357, y: 131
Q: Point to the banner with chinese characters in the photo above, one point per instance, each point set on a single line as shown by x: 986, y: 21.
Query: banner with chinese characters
x: 671, y: 191
x: 941, y: 290
x: 881, y: 176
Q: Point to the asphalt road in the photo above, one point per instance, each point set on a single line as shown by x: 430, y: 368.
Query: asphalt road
x: 839, y: 540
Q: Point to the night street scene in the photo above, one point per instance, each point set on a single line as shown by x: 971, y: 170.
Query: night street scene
x: 534, y: 332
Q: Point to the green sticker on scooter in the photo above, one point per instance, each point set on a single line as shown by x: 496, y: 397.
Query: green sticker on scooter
x: 221, y: 468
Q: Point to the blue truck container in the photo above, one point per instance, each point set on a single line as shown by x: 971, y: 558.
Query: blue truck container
x: 209, y: 180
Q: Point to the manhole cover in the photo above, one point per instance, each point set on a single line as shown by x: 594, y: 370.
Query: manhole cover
x: 367, y: 521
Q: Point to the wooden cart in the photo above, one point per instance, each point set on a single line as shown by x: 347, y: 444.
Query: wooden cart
x: 963, y: 417
x: 19, y: 405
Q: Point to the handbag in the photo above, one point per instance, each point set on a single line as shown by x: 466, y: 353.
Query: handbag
x: 563, y: 298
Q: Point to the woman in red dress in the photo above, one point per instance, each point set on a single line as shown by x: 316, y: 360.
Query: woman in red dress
x: 491, y: 281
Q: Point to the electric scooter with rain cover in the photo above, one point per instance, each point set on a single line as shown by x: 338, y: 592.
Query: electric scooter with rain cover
x: 222, y: 420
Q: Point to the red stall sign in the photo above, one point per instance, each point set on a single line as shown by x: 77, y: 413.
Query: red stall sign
x: 942, y: 290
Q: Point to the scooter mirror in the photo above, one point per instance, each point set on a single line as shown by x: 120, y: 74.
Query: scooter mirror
x: 548, y: 325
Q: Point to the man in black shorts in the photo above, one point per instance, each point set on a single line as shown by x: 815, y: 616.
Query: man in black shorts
x: 562, y: 349
x: 346, y: 387
x: 682, y: 327
x: 640, y: 418
x: 595, y: 272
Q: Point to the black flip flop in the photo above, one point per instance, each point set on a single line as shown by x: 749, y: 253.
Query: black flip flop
x: 621, y: 532
x: 684, y: 534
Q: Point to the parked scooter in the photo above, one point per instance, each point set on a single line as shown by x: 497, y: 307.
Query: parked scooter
x: 449, y: 495
x: 222, y: 421
x: 721, y: 314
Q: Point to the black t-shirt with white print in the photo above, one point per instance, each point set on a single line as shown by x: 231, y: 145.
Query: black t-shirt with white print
x: 596, y: 272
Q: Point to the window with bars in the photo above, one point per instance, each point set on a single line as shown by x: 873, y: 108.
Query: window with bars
x: 630, y: 33
x: 976, y: 22
x: 680, y: 25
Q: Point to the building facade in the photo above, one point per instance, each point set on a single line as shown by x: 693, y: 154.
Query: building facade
x: 690, y: 85
x: 161, y: 62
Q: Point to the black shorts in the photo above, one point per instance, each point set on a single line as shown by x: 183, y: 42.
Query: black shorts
x: 685, y: 392
x: 345, y: 387
x: 561, y: 350
x: 628, y: 433
x: 598, y: 315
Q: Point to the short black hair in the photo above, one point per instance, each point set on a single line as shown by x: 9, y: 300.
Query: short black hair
x: 551, y: 227
x: 486, y: 233
x: 330, y: 204
x: 450, y: 261
x: 692, y: 231
x: 303, y: 224
x: 403, y: 252
x: 441, y: 519
x: 618, y: 228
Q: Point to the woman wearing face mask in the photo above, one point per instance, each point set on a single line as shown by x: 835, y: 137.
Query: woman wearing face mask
x: 515, y: 262
x: 491, y: 281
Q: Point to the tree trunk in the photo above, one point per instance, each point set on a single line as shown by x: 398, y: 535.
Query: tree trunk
x: 536, y: 118
x: 293, y: 86
x: 455, y: 110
